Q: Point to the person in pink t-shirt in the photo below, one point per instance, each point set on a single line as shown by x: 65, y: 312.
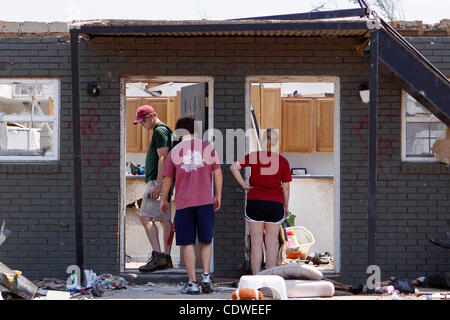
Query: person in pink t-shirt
x: 193, y: 163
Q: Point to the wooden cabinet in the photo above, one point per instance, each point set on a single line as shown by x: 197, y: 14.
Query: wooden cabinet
x: 138, y: 138
x: 133, y: 132
x: 324, y: 124
x: 307, y: 124
x: 297, y: 125
x: 270, y: 108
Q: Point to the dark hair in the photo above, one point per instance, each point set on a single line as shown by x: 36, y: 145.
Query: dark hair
x: 271, y: 135
x: 186, y: 123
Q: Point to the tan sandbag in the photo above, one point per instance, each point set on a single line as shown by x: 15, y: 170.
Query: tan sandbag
x: 309, y: 288
x: 298, y: 271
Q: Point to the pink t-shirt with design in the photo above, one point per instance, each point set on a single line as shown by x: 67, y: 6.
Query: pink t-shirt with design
x: 191, y: 163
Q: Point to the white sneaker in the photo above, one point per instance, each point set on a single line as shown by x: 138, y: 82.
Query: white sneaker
x: 191, y: 288
x: 206, y: 283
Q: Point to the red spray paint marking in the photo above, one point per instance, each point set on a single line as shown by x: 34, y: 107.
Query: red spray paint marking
x: 107, y: 157
x: 385, y: 146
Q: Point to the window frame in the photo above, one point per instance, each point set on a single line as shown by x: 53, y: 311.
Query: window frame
x: 405, y: 158
x: 54, y: 119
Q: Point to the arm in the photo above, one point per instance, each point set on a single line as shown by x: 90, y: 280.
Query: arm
x: 235, y: 167
x: 286, y: 193
x: 162, y: 155
x: 218, y: 188
x: 164, y: 204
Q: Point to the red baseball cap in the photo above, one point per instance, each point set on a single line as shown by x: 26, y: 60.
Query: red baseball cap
x: 142, y: 111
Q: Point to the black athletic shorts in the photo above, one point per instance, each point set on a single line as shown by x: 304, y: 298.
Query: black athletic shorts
x: 264, y: 211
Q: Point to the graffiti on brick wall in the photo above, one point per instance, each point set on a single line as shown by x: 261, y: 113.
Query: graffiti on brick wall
x: 95, y: 157
x: 385, y: 147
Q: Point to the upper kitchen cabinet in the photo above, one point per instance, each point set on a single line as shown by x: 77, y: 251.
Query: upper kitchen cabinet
x: 324, y: 124
x: 138, y: 138
x: 133, y: 132
x: 270, y: 108
x: 298, y: 134
x: 306, y: 124
x: 266, y: 105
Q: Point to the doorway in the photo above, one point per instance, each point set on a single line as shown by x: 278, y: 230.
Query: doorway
x: 305, y: 112
x: 172, y: 98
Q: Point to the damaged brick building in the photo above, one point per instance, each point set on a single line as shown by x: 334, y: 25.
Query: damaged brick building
x: 387, y: 226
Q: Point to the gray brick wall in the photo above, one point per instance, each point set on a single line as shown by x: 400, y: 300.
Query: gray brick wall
x: 37, y: 201
x: 435, y: 49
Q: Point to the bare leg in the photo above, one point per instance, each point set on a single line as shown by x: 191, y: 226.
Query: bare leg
x: 256, y: 238
x: 189, y: 261
x: 271, y: 231
x: 167, y: 225
x: 205, y: 254
x: 152, y: 233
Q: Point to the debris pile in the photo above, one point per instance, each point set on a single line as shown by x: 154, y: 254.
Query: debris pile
x: 402, y: 287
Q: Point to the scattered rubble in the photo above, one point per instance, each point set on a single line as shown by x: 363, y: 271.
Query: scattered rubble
x: 418, y: 28
x: 16, y: 284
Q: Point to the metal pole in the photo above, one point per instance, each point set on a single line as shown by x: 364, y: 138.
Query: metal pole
x: 372, y: 215
x: 77, y: 176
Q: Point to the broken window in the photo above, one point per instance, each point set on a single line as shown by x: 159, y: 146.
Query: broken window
x: 29, y: 118
x: 421, y: 129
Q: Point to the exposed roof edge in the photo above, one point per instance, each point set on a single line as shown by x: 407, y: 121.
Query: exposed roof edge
x: 31, y: 28
x: 315, y: 15
x: 418, y: 28
x: 341, y: 27
x: 42, y: 29
x: 227, y: 28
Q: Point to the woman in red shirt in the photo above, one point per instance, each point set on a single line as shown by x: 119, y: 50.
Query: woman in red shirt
x: 267, y: 200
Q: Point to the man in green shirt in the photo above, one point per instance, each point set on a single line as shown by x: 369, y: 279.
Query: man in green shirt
x: 149, y: 212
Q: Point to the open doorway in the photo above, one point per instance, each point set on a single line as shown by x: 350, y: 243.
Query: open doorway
x: 172, y: 98
x: 305, y: 112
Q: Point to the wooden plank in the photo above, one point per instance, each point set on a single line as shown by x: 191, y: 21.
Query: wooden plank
x: 256, y: 101
x: 51, y: 106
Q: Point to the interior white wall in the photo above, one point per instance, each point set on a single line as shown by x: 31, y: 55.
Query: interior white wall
x: 320, y: 163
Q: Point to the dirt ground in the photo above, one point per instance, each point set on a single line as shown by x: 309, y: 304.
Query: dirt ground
x: 171, y: 291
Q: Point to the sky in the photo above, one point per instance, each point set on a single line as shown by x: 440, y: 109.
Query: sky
x: 427, y: 11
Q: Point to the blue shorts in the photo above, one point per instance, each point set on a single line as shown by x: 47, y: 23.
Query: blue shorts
x: 193, y: 222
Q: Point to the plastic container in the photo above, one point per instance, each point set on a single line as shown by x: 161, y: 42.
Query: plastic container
x: 306, y: 239
x: 275, y: 283
x: 438, y: 296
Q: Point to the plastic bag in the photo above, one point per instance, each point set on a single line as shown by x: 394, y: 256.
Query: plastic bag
x: 290, y: 220
x: 292, y: 245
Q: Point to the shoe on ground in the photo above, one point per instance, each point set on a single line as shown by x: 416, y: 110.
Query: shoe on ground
x: 318, y: 259
x: 157, y: 261
x: 168, y: 260
x: 191, y: 288
x: 206, y: 283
